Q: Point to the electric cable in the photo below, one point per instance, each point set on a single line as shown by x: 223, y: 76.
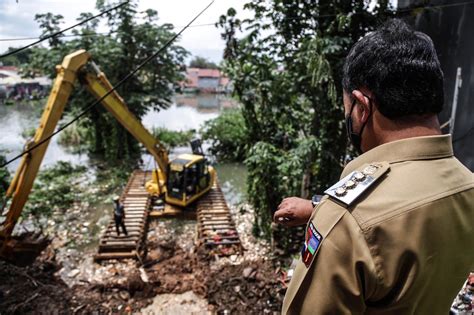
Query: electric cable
x: 87, y: 35
x: 212, y: 24
x: 120, y: 83
x: 61, y: 31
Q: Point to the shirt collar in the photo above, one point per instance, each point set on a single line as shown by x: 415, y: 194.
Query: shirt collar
x: 410, y: 149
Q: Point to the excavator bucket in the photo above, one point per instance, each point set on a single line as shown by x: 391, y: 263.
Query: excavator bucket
x: 22, y: 250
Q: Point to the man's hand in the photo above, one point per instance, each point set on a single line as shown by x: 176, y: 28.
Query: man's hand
x: 293, y: 211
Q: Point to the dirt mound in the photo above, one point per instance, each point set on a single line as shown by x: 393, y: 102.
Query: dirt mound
x: 33, y: 289
x: 249, y: 287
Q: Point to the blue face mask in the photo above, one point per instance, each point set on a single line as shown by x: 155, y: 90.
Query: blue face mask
x: 355, y: 138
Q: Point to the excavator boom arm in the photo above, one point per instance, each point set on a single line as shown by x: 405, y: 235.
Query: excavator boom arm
x: 22, y: 183
x: 98, y: 85
x: 96, y: 82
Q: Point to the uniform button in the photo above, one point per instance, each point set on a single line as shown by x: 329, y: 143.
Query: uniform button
x: 341, y: 191
x: 350, y: 184
x: 359, y: 176
x: 370, y: 170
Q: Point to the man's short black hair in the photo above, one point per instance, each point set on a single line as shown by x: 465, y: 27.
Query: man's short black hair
x: 401, y: 68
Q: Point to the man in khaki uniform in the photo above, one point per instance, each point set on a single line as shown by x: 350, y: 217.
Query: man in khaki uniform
x: 395, y: 235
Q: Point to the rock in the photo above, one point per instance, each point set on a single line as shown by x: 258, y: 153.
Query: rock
x: 233, y: 258
x: 73, y: 273
x: 124, y: 295
x: 247, y: 272
x: 143, y: 275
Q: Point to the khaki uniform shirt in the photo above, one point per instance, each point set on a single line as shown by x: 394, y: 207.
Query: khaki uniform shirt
x: 404, y: 246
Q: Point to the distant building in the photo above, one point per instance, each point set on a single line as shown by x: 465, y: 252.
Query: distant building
x: 205, y: 81
x: 13, y: 86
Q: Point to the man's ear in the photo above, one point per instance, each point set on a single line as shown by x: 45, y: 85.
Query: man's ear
x: 364, y: 105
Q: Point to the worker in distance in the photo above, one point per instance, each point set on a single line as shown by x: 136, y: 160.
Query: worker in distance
x: 395, y: 234
x: 119, y: 216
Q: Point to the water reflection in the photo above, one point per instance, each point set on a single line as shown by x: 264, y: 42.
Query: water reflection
x: 187, y: 112
x: 14, y: 120
x: 232, y: 178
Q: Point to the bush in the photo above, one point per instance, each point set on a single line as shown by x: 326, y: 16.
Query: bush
x: 171, y: 138
x: 4, y: 179
x: 54, y: 189
x: 74, y: 135
x: 28, y: 133
x: 228, y: 136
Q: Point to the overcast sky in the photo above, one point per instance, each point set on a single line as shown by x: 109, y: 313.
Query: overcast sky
x: 17, y: 20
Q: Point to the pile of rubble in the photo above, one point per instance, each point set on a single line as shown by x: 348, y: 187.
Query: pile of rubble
x: 66, y: 280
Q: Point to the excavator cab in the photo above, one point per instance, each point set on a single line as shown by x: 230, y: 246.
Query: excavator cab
x: 189, y: 177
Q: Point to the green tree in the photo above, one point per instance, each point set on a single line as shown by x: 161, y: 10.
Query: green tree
x: 133, y: 36
x: 286, y: 73
x: 228, y: 136
x: 18, y: 59
x: 202, y: 63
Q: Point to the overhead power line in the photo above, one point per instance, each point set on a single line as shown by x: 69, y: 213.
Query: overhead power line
x: 87, y: 35
x: 60, y: 32
x: 120, y: 83
x: 213, y: 24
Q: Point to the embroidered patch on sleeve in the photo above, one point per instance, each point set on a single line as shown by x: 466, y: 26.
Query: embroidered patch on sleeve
x: 312, y: 241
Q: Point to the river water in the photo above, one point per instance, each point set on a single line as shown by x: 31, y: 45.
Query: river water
x: 187, y: 112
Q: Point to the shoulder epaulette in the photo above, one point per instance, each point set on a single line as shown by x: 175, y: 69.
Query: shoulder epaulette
x: 351, y: 187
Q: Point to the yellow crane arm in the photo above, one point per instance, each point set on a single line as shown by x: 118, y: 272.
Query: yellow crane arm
x: 98, y: 85
x: 22, y: 182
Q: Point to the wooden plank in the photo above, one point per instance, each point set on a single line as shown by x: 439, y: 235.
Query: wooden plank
x: 117, y: 243
x: 107, y: 256
x: 130, y: 224
x: 210, y: 222
x: 203, y: 230
x: 211, y: 239
x: 222, y: 243
x: 113, y: 234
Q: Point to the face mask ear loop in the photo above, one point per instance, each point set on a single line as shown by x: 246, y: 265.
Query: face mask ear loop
x: 352, y: 107
x: 349, y: 118
x: 370, y: 114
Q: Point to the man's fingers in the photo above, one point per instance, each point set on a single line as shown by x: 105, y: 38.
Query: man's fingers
x: 278, y: 215
x: 282, y: 203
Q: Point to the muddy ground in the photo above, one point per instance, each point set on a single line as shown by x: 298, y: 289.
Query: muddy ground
x: 174, y: 272
x: 251, y: 287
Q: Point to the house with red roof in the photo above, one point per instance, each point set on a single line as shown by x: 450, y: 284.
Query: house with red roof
x: 205, y: 81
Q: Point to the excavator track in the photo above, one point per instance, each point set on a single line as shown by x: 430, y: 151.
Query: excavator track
x: 216, y: 229
x: 137, y: 204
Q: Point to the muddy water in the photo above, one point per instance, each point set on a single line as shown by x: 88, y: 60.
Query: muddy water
x: 16, y: 119
x: 187, y: 112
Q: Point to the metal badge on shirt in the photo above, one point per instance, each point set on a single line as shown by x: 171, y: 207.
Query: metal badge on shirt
x: 312, y: 241
x: 348, y: 189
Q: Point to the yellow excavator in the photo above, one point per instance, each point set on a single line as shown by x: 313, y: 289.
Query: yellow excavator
x: 180, y: 181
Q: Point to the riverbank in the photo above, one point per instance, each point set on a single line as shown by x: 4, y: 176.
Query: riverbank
x: 175, y: 269
x: 65, y: 279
